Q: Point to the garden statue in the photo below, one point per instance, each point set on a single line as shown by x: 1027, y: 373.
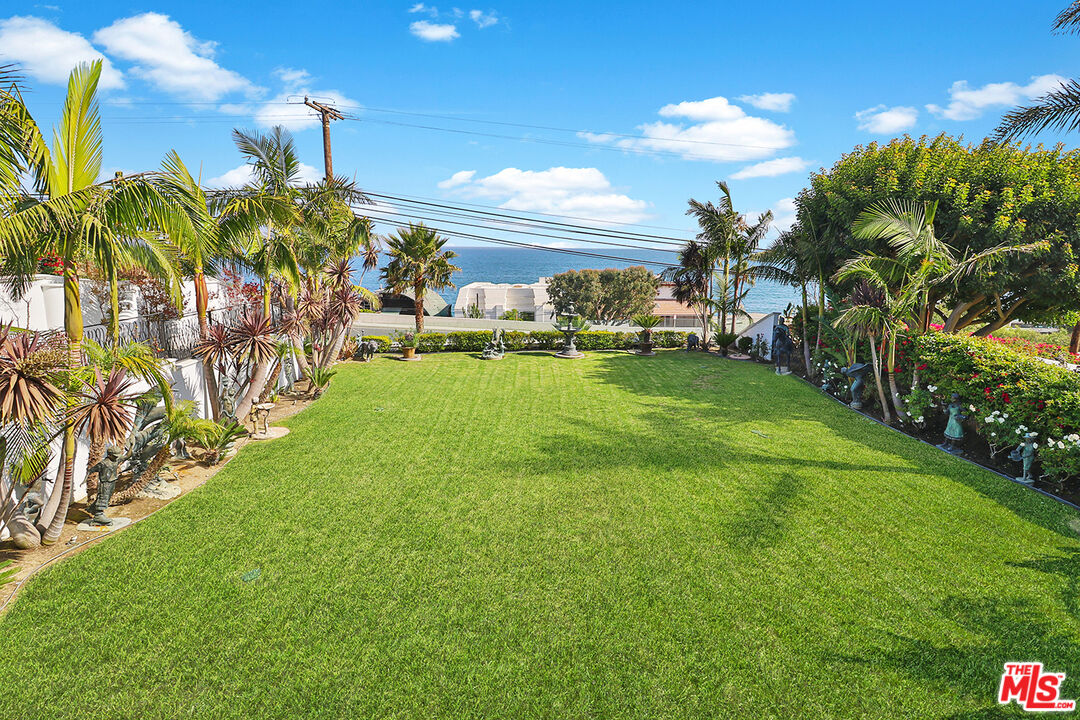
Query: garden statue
x: 228, y: 399
x: 1025, y: 454
x: 954, y: 430
x: 145, y: 441
x: 107, y: 469
x: 692, y: 342
x: 180, y: 449
x: 367, y: 349
x: 23, y: 524
x: 857, y: 373
x: 781, y: 347
x: 495, y: 349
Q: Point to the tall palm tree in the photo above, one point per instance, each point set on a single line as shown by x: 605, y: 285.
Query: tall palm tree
x: 418, y: 262
x: 1058, y: 109
x: 80, y: 219
x: 692, y: 281
x: 746, y: 242
x: 787, y: 262
x: 718, y: 225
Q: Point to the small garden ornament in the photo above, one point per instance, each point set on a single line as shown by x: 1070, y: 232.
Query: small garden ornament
x: 1025, y: 454
x: 857, y: 373
x: 954, y: 430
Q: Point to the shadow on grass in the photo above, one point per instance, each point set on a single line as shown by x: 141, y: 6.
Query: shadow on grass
x: 994, y: 631
x: 749, y: 391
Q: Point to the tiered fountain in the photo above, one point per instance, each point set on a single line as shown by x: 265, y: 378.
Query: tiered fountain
x: 570, y: 327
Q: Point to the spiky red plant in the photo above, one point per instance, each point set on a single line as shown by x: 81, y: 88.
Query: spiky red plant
x: 27, y: 366
x: 214, y: 348
x: 105, y: 411
x: 252, y: 338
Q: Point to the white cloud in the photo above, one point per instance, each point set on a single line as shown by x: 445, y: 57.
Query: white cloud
x: 296, y: 83
x: 242, y: 175
x: 421, y: 7
x: 459, y: 178
x: 772, y: 168
x: 721, y: 132
x: 784, y: 214
x: 170, y: 57
x: 483, y: 19
x: 47, y: 53
x: 967, y: 103
x: 579, y: 192
x: 883, y: 120
x: 433, y: 32
x: 777, y: 102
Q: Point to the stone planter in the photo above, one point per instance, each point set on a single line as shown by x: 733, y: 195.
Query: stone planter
x: 645, y: 348
x: 408, y: 353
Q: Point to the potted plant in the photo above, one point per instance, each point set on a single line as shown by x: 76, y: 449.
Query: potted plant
x: 724, y: 341
x: 407, y: 343
x: 646, y: 321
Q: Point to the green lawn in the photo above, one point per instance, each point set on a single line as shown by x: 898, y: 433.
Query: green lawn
x: 618, y: 537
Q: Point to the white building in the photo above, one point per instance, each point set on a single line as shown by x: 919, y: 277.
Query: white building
x: 494, y: 299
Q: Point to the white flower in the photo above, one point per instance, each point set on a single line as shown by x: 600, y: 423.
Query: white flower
x: 931, y: 388
x: 1005, y: 415
x: 920, y: 419
x: 988, y: 419
x: 1061, y: 445
x: 971, y: 408
x: 993, y: 434
x: 1034, y: 445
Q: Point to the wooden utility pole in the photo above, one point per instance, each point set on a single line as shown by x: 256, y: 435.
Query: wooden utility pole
x: 328, y: 113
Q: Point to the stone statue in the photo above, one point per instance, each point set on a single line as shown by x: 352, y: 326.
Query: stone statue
x: 107, y: 469
x: 23, y: 524
x: 367, y: 349
x: 1025, y: 454
x: 782, y: 347
x: 954, y: 430
x: 857, y: 373
x: 495, y: 349
x: 228, y: 399
x: 692, y: 342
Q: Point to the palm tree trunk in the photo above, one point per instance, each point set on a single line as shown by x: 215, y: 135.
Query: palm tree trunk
x: 73, y: 325
x: 114, y: 307
x: 418, y: 291
x: 806, y: 345
x: 258, y: 380
x: 97, y: 452
x: 875, y: 361
x: 820, y: 311
x: 202, y: 300
x: 128, y: 494
x: 1074, y: 339
x: 723, y: 306
x: 901, y: 410
x: 266, y: 297
x: 335, y: 347
x: 271, y: 381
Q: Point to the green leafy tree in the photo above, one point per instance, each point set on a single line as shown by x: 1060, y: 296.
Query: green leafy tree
x: 987, y: 196
x: 605, y: 297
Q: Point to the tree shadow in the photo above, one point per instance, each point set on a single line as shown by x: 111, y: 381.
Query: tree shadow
x: 1068, y: 567
x: 731, y: 391
x: 994, y: 631
x: 763, y: 523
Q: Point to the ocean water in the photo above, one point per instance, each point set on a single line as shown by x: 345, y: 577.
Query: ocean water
x: 525, y: 265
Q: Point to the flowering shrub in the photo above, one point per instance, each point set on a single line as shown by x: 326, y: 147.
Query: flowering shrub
x: 919, y: 404
x: 1061, y: 458
x: 993, y: 376
x: 51, y: 264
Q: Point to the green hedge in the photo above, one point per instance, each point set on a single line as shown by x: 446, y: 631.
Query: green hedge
x: 476, y: 340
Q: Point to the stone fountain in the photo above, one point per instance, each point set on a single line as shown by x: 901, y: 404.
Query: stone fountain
x: 571, y: 326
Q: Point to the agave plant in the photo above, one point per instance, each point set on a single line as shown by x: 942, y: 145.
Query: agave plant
x: 320, y: 379
x: 105, y: 407
x: 181, y: 422
x: 30, y: 369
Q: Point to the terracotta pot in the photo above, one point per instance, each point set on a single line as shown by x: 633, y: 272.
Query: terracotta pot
x: 408, y: 353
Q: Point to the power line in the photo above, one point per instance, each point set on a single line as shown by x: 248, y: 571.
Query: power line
x: 380, y: 215
x: 510, y: 219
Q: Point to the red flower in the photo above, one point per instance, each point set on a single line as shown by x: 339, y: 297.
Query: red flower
x: 1006, y: 398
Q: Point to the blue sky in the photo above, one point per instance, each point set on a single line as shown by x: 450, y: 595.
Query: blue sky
x: 756, y: 93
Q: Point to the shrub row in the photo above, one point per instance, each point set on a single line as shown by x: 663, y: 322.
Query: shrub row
x: 475, y: 340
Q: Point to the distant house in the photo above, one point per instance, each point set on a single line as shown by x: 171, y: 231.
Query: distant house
x: 494, y: 299
x: 673, y: 312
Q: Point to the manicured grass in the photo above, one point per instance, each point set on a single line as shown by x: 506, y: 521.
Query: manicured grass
x: 618, y: 537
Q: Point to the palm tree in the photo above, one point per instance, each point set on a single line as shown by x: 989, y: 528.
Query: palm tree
x: 692, y: 279
x: 1056, y: 110
x: 418, y: 262
x: 719, y: 227
x: 80, y: 219
x: 868, y: 315
x: 786, y: 262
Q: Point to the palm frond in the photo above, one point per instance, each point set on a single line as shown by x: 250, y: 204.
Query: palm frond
x: 1057, y: 110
